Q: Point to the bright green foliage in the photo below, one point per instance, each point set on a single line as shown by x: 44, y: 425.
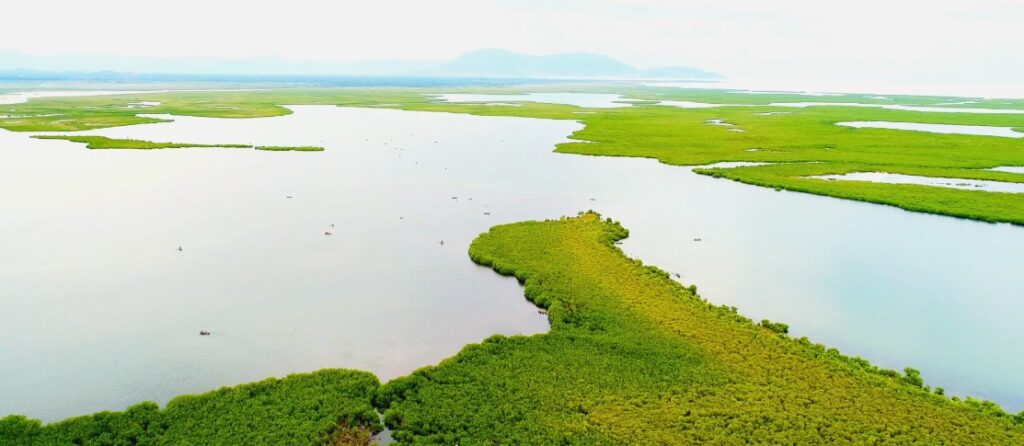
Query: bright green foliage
x: 301, y: 409
x: 913, y: 377
x: 808, y: 143
x: 102, y: 142
x: 290, y: 148
x: 93, y: 112
x: 777, y: 327
x: 805, y: 141
x: 802, y: 143
x: 635, y: 358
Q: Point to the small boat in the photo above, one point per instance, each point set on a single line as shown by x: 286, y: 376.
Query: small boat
x: 204, y: 333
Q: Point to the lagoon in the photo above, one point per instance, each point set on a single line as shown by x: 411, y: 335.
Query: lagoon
x: 955, y: 183
x: 981, y: 130
x: 917, y: 108
x: 98, y: 308
x: 588, y: 100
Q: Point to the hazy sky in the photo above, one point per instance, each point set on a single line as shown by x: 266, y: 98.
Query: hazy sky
x: 938, y: 40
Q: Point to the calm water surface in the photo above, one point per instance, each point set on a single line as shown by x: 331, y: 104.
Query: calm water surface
x: 99, y: 309
x: 954, y: 183
x: 981, y: 130
x: 917, y: 108
x: 606, y: 100
x: 589, y: 100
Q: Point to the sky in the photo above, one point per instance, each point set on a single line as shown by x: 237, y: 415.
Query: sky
x: 979, y: 41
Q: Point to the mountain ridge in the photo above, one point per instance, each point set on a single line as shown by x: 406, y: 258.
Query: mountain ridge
x: 492, y: 62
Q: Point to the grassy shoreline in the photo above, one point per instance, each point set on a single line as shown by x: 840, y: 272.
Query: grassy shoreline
x: 794, y: 140
x: 635, y: 358
x: 632, y: 357
x: 328, y: 407
x: 290, y: 148
x: 104, y: 143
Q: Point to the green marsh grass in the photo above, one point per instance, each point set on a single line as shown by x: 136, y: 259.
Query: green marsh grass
x: 102, y: 142
x: 302, y: 409
x: 290, y: 148
x: 635, y: 358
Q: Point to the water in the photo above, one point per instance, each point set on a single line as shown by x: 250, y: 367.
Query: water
x: 955, y: 183
x: 604, y: 100
x: 1011, y: 169
x: 982, y: 130
x: 917, y: 108
x: 99, y: 310
x: 689, y: 104
x: 587, y: 100
x: 819, y: 87
x: 20, y: 97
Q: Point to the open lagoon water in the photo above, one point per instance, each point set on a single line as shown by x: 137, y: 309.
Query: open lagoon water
x: 978, y: 130
x: 953, y: 183
x: 608, y: 100
x: 99, y: 309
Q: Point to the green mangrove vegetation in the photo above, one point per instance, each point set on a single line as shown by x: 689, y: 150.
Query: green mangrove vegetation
x: 632, y: 357
x: 290, y: 148
x: 798, y: 143
x: 102, y: 142
x: 635, y: 358
x: 807, y: 143
x: 328, y: 407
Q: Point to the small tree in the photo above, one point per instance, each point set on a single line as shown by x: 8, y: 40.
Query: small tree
x: 913, y: 377
x: 777, y: 327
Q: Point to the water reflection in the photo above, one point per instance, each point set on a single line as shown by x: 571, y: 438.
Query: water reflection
x: 982, y: 130
x: 954, y: 183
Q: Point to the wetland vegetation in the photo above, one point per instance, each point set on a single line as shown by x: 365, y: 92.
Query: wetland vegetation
x: 632, y: 357
x: 798, y: 145
x: 290, y: 148
x: 102, y: 142
x: 328, y: 407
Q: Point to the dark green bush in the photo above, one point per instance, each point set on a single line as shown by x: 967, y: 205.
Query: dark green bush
x: 301, y: 409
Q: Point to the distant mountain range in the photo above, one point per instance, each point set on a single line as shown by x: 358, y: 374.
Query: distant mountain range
x: 486, y: 63
x: 501, y: 63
